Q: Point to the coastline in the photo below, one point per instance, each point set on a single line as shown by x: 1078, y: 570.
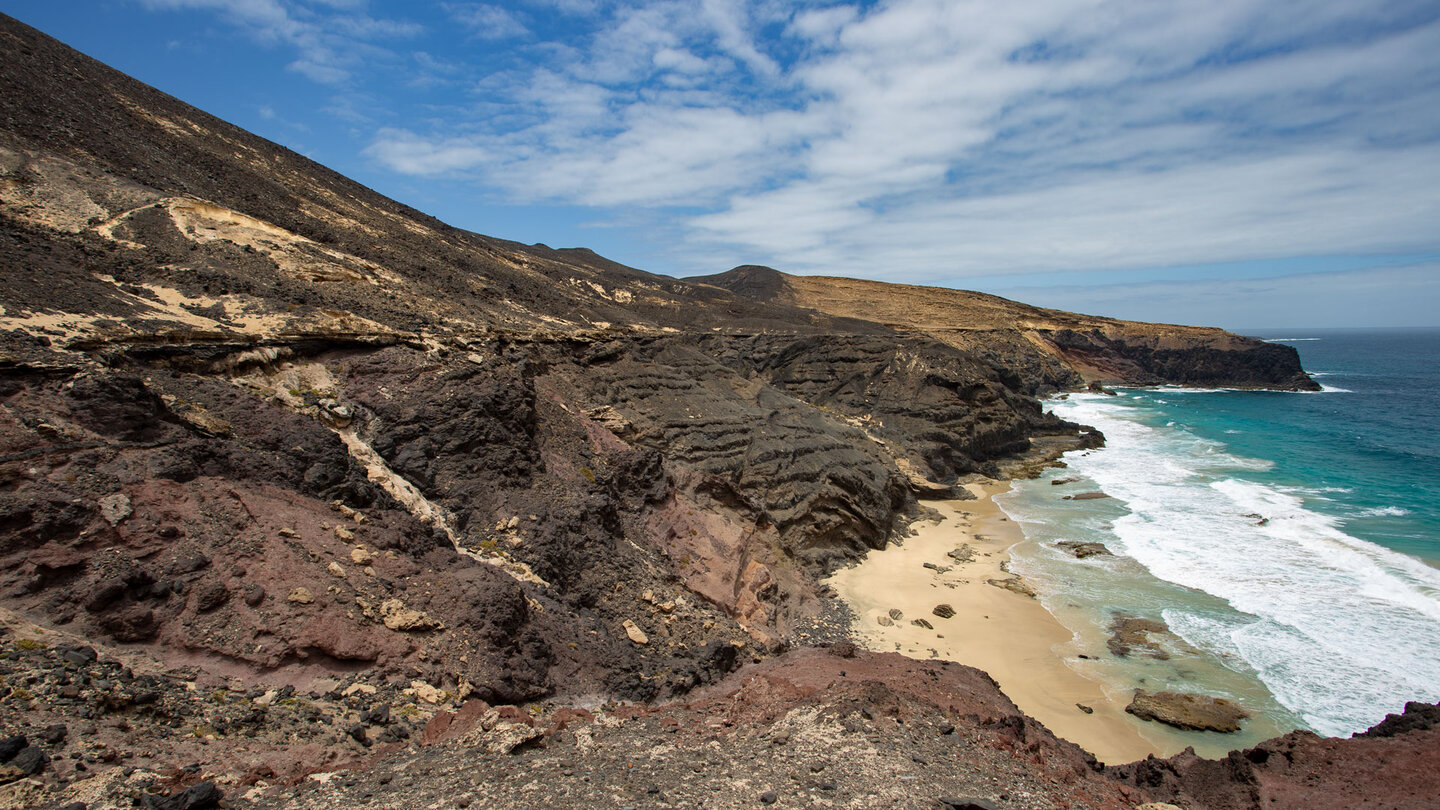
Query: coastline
x: 1007, y: 634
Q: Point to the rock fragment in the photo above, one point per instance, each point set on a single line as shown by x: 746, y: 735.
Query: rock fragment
x: 943, y: 611
x: 426, y: 692
x: 30, y: 761
x: 301, y: 596
x: 634, y: 632
x: 397, y: 616
x: 210, y: 596
x: 115, y: 508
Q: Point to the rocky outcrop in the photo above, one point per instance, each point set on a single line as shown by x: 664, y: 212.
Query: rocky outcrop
x: 1392, y: 765
x: 1132, y: 354
x: 1083, y: 550
x: 1133, y: 635
x: 1187, y: 711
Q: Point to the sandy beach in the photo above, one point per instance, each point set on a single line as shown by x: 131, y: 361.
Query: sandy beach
x: 1007, y: 634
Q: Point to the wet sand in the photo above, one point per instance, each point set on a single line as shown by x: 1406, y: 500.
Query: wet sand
x: 1007, y: 634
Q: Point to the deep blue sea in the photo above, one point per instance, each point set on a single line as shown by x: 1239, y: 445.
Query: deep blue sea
x: 1291, y: 540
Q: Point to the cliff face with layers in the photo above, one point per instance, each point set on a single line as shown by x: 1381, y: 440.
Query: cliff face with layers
x: 262, y: 429
x: 1048, y: 349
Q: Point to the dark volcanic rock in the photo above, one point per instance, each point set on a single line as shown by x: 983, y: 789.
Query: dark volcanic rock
x: 1303, y: 770
x: 200, y: 796
x: 10, y: 746
x: 1084, y: 550
x: 1416, y: 717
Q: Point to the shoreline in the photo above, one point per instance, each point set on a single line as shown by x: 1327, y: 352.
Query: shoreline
x: 1011, y: 636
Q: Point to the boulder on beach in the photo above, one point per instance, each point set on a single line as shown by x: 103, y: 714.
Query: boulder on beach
x: 1013, y: 583
x: 963, y: 554
x: 943, y: 611
x: 1188, y: 711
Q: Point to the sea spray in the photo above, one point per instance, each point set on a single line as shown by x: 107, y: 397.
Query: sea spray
x: 1338, y: 630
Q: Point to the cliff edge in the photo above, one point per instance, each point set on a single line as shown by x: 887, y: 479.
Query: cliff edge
x: 1047, y: 347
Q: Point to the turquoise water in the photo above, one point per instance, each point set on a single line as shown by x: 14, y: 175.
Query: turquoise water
x: 1291, y: 540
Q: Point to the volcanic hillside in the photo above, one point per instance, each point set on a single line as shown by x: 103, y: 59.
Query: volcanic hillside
x: 271, y: 442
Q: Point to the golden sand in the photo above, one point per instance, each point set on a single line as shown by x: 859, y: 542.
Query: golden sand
x: 1007, y: 634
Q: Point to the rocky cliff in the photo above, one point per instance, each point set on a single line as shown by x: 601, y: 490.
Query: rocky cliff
x: 286, y: 452
x: 1049, y: 349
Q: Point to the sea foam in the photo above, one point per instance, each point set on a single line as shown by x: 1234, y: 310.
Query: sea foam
x: 1341, y: 630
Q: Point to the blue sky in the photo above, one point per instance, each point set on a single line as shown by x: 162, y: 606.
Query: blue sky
x: 1244, y: 163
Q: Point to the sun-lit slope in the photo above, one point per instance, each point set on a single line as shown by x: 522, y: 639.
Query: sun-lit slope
x: 1049, y: 343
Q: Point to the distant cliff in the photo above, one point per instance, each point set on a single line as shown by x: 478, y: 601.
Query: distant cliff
x: 1048, y: 348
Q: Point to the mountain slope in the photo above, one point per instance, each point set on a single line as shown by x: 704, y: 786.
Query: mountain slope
x: 278, y: 454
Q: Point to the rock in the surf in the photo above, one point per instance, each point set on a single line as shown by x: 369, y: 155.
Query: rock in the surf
x: 1081, y: 550
x: 1013, y: 583
x: 1134, y: 635
x: 1188, y: 711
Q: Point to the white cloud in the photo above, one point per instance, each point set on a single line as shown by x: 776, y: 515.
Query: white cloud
x: 925, y: 140
x: 407, y: 153
x: 331, y: 42
x: 486, y: 21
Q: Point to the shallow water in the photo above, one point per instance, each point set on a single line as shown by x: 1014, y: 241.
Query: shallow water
x: 1289, y: 539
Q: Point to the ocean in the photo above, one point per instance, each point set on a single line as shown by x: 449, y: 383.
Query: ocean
x: 1290, y: 540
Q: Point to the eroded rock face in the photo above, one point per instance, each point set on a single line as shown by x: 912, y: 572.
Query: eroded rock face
x: 1180, y: 357
x: 1046, y: 349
